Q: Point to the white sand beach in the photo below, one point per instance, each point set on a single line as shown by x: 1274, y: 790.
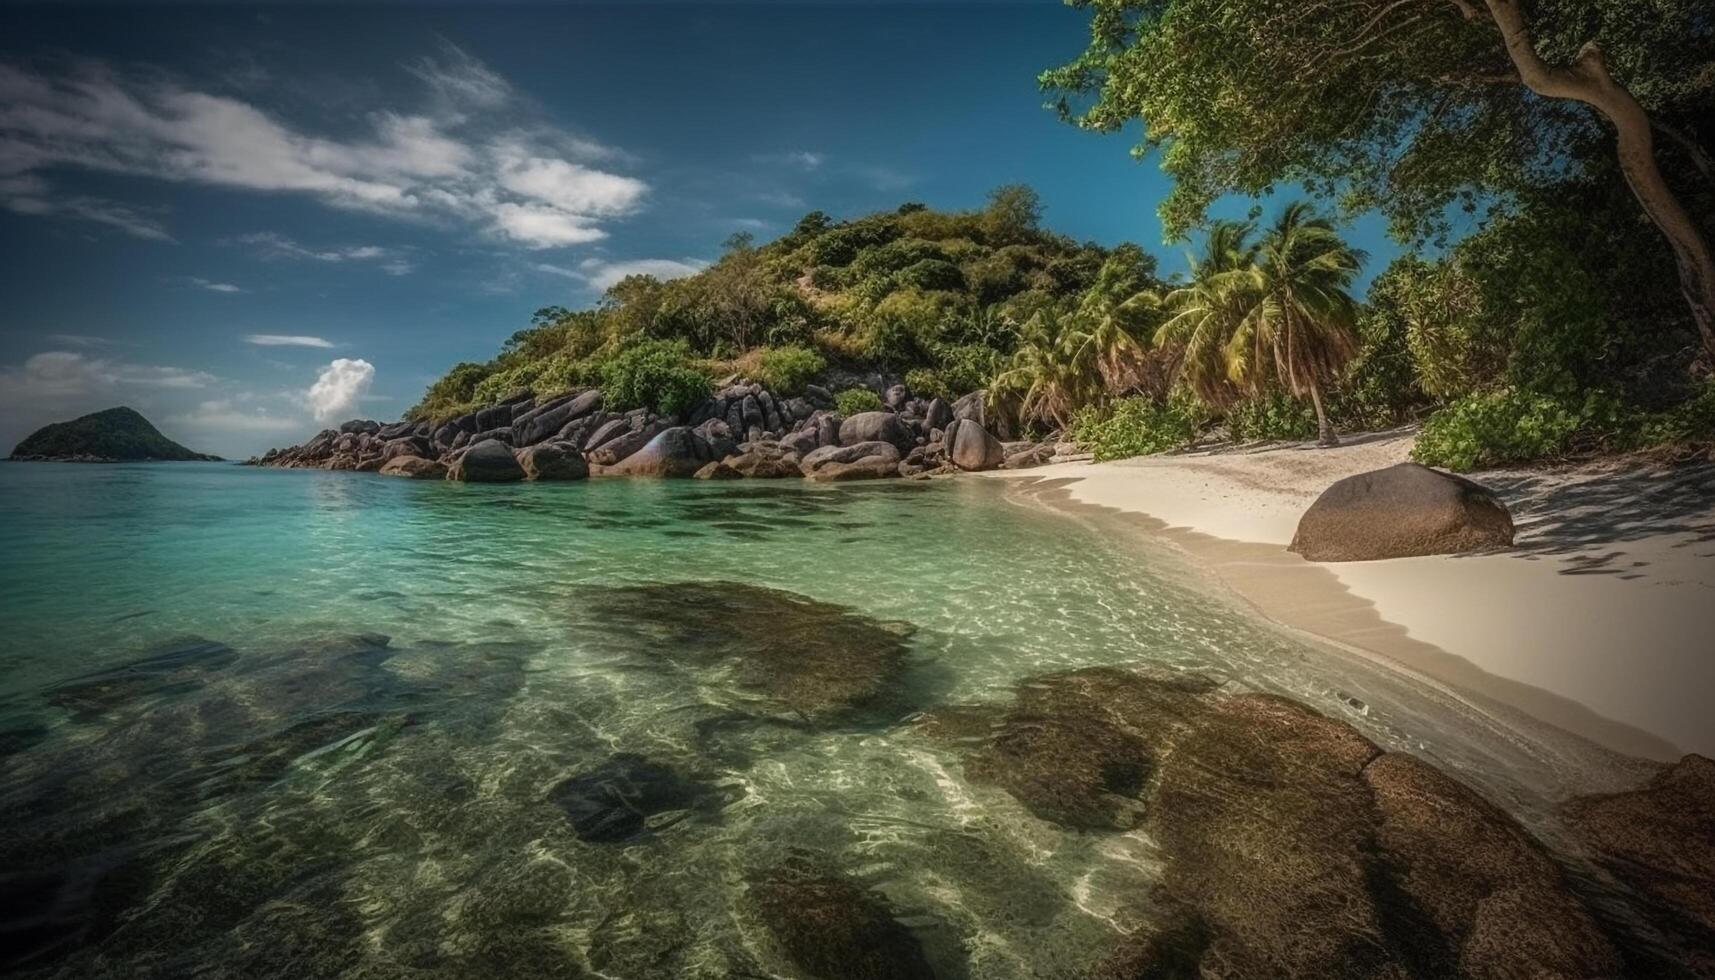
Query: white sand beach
x: 1600, y: 620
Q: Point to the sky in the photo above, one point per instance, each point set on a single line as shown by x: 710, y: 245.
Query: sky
x: 251, y: 222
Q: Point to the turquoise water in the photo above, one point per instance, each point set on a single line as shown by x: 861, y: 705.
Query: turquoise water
x: 296, y: 723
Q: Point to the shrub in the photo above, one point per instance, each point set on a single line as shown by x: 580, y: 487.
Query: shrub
x: 855, y: 400
x: 1492, y: 428
x: 931, y: 274
x: 927, y: 383
x: 1275, y: 415
x: 654, y: 374
x: 1138, y: 426
x: 788, y: 369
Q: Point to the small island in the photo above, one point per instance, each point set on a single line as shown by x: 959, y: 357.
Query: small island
x: 116, y: 435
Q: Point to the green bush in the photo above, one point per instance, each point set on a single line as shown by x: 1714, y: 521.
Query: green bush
x: 1138, y: 426
x: 928, y: 383
x: 931, y: 274
x: 1493, y: 428
x: 855, y: 400
x: 788, y: 369
x: 654, y: 374
x: 1275, y: 415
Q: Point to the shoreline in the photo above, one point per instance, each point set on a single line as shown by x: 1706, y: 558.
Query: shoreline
x: 1462, y: 623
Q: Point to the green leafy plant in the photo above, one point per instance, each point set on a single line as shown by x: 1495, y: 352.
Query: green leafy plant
x: 852, y: 401
x: 788, y: 369
x: 1138, y: 426
x: 1492, y: 428
x: 654, y: 374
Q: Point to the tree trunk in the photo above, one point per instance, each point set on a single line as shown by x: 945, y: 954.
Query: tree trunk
x: 1324, y: 432
x: 1588, y: 81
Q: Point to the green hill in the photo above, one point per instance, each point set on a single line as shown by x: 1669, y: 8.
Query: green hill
x: 937, y: 298
x: 116, y: 434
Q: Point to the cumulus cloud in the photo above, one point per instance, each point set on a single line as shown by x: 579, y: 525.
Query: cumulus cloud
x: 339, y: 389
x: 213, y: 287
x: 285, y: 340
x: 471, y: 152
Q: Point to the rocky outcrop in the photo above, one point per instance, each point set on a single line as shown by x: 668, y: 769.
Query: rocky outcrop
x: 1293, y: 845
x: 1659, y: 842
x: 859, y: 461
x: 675, y: 452
x: 1404, y: 510
x: 885, y: 427
x: 748, y: 430
x: 970, y: 447
x: 489, y: 461
x: 629, y: 796
x: 414, y: 467
x: 553, y: 461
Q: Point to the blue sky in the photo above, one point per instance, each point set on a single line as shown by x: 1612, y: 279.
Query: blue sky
x: 248, y: 222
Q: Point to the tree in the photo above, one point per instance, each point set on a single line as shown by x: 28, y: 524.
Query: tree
x: 1413, y: 105
x: 1203, y: 316
x: 1303, y: 318
x: 1050, y: 376
x: 1014, y: 211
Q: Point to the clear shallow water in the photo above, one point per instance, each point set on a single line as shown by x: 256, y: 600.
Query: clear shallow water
x: 294, y: 797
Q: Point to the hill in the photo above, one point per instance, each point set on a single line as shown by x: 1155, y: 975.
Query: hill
x: 114, y: 435
x: 938, y: 299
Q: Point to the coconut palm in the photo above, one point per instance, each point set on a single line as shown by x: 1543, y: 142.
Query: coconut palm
x: 1203, y: 315
x: 1301, y: 323
x: 1051, y: 375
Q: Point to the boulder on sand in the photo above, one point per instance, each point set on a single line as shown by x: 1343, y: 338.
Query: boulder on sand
x: 553, y: 461
x: 970, y: 446
x: 488, y: 461
x: 1403, y: 510
x: 413, y: 467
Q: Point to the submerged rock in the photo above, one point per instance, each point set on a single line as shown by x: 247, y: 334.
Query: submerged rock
x: 832, y: 928
x: 174, y: 667
x: 630, y: 795
x: 1403, y: 510
x: 1294, y: 846
x: 811, y: 658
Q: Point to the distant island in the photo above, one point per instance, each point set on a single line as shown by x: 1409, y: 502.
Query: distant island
x: 117, y: 435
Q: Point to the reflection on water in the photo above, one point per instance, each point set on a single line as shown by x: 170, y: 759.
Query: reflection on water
x: 297, y: 724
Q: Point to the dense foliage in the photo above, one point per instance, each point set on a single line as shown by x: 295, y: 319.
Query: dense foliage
x: 116, y: 433
x: 941, y: 296
x: 1568, y: 322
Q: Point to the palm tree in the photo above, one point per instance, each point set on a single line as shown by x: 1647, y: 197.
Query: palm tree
x: 1204, y: 315
x: 1050, y: 375
x: 1302, y: 318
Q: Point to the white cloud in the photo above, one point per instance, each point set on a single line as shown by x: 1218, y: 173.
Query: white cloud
x: 285, y: 340
x: 517, y: 178
x: 79, y: 340
x: 272, y: 245
x: 339, y: 389
x: 543, y: 226
x: 213, y: 287
x: 806, y: 159
x: 602, y: 274
x: 222, y: 415
x: 59, y: 375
